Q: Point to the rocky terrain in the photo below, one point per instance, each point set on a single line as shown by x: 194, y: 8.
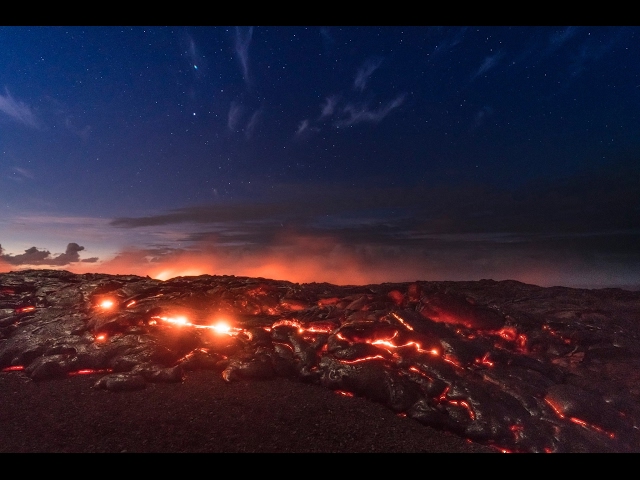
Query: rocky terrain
x: 516, y: 367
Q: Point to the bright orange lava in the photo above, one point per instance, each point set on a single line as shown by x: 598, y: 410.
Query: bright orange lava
x: 221, y: 327
x: 14, y: 368
x: 107, y: 304
x: 25, y: 309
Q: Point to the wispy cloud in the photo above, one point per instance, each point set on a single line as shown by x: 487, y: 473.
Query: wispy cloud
x: 242, y: 42
x: 365, y: 71
x: 83, y: 132
x: 192, y: 53
x: 306, y: 129
x: 592, y: 51
x: 17, y: 110
x: 488, y: 63
x: 234, y: 116
x: 250, y: 129
x: 302, y: 127
x: 327, y: 39
x: 353, y: 114
x: 19, y: 174
x: 236, y: 120
x: 451, y: 40
x: 328, y: 107
x: 556, y: 39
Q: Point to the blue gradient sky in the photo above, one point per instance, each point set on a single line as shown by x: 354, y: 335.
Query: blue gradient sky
x: 341, y: 154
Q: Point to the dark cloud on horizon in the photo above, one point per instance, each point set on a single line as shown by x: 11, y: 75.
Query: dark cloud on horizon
x: 601, y: 203
x: 33, y: 256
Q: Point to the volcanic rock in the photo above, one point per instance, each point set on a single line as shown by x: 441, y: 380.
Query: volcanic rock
x: 513, y: 366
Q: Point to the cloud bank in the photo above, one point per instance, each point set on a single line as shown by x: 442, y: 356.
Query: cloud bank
x: 33, y: 256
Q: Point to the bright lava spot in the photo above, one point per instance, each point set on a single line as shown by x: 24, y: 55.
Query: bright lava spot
x: 25, y: 309
x: 101, y: 338
x: 90, y: 371
x: 107, y: 304
x: 344, y: 393
x: 14, y: 368
x: 221, y: 327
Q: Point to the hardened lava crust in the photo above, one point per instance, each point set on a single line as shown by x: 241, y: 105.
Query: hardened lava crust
x: 98, y: 362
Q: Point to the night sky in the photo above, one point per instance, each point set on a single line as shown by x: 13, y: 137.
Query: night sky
x: 343, y: 154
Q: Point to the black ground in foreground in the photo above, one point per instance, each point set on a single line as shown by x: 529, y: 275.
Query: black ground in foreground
x: 205, y: 414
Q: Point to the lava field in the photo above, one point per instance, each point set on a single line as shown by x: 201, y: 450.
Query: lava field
x: 518, y: 367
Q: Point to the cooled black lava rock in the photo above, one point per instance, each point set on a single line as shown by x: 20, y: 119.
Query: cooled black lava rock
x: 519, y: 367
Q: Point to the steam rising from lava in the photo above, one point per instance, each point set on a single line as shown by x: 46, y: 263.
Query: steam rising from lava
x: 306, y: 258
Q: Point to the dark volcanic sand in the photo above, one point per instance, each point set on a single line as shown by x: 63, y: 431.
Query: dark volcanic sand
x: 205, y: 414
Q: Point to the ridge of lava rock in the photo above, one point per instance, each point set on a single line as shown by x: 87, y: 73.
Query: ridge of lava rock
x: 515, y: 366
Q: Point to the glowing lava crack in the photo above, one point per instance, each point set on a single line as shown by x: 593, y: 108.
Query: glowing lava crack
x: 515, y: 366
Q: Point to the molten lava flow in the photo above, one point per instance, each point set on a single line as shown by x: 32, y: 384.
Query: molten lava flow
x: 579, y: 421
x: 388, y: 344
x: 177, y: 320
x: 508, y: 333
x: 90, y: 371
x: 398, y: 318
x: 485, y: 360
x: 100, y: 338
x: 344, y: 393
x: 452, y: 360
x: 466, y: 405
x: 14, y: 368
x: 363, y: 359
x: 25, y: 309
x: 288, y: 323
x: 220, y: 327
x: 107, y: 304
x: 420, y: 373
x: 321, y: 328
x: 444, y: 398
